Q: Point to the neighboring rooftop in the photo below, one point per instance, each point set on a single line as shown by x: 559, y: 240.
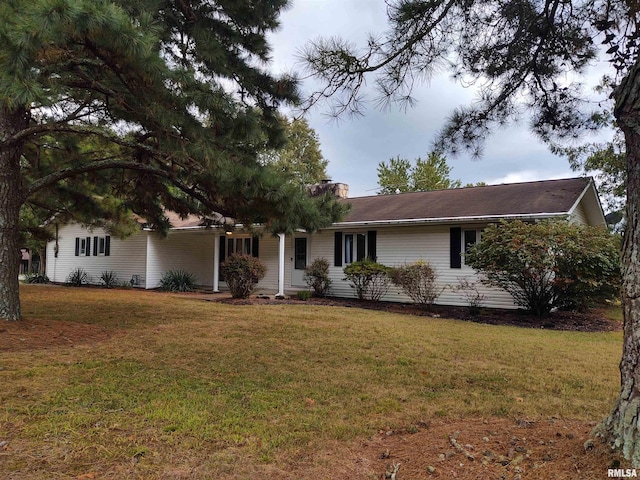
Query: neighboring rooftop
x: 555, y: 197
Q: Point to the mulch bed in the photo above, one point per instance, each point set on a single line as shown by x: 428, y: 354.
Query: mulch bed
x: 591, y: 321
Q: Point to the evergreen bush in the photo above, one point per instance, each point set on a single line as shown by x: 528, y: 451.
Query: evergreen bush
x: 36, y: 278
x: 369, y: 279
x: 317, y: 276
x: 303, y: 295
x: 109, y: 279
x: 78, y: 277
x: 177, y: 281
x: 242, y: 273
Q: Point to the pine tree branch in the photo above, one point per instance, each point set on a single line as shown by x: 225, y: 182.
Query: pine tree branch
x: 63, y: 127
x: 109, y: 164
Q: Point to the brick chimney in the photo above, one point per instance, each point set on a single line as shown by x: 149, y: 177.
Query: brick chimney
x: 340, y: 190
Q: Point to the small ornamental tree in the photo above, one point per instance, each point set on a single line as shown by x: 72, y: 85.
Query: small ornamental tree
x: 549, y: 264
x: 418, y: 281
x: 317, y: 276
x: 369, y: 279
x: 242, y: 273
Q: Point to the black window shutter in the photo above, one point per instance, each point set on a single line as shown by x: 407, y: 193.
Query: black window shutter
x: 95, y: 246
x: 372, y: 249
x: 88, y: 253
x: 223, y: 244
x: 337, y: 249
x: 255, y: 247
x: 455, y: 247
x: 77, y: 246
x: 107, y: 246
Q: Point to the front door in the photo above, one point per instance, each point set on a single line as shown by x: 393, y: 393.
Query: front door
x: 300, y: 255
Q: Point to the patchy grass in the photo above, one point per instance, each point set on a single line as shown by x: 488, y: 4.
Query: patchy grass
x: 614, y: 312
x: 203, y: 389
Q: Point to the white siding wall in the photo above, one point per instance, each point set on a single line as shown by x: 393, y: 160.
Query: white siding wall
x: 580, y: 215
x: 149, y: 255
x: 191, y: 251
x: 268, y: 253
x: 400, y: 245
x: 127, y: 257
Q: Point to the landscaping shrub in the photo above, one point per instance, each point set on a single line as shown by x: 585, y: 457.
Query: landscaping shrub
x: 303, y: 295
x: 242, y: 273
x: 550, y: 264
x: 78, y: 277
x: 317, y: 276
x: 418, y: 281
x: 109, y: 279
x: 471, y: 291
x: 369, y: 279
x: 36, y: 278
x: 177, y: 281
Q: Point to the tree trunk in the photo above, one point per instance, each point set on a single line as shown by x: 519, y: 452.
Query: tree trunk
x: 10, y: 203
x: 622, y: 427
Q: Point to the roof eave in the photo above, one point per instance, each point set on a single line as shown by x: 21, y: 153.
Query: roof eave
x: 467, y: 219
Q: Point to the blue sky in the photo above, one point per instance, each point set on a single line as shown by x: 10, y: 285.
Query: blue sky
x: 355, y: 146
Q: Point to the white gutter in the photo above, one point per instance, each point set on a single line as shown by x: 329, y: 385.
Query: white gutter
x: 238, y: 226
x: 196, y: 227
x: 409, y: 221
x: 476, y: 218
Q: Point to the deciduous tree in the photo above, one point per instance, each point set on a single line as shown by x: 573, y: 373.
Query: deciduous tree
x: 525, y: 57
x: 300, y: 157
x: 430, y: 174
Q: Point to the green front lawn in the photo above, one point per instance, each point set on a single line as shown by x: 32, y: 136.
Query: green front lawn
x: 207, y: 387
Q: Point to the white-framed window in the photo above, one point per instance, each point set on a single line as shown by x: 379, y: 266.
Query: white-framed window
x: 101, y: 245
x: 354, y: 246
x: 469, y: 238
x: 239, y: 244
x: 93, y: 246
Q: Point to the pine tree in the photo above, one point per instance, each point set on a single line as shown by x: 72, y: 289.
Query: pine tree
x: 163, y: 100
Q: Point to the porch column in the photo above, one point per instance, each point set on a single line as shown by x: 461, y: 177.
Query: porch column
x: 216, y: 264
x: 281, y: 266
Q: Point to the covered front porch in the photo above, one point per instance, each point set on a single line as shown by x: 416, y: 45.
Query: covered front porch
x: 201, y: 251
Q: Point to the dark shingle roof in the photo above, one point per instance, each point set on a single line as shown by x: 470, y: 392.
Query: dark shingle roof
x: 529, y: 198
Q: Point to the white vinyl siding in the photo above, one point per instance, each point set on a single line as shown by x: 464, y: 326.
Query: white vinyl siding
x: 402, y: 245
x: 580, y: 215
x: 188, y: 251
x: 127, y: 257
x: 268, y: 254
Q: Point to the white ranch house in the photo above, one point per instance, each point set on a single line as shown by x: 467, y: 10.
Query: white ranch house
x: 432, y: 226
